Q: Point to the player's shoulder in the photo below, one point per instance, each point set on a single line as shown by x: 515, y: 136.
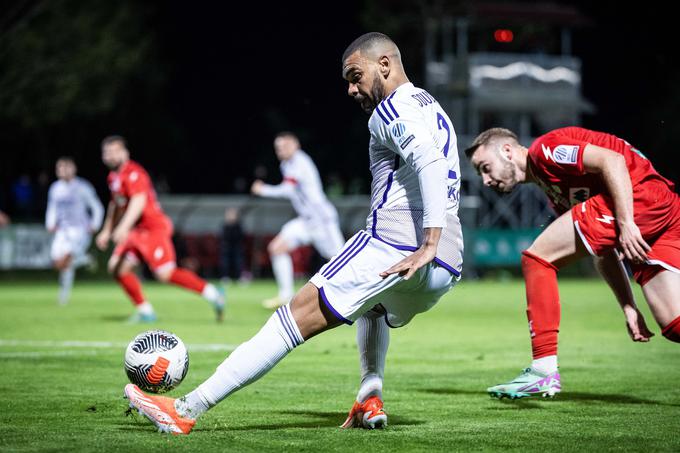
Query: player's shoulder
x: 133, y: 171
x: 405, y: 102
x: 410, y: 96
x: 84, y: 183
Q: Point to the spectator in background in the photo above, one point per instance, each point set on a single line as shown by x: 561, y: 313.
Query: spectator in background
x: 22, y: 196
x: 231, y: 246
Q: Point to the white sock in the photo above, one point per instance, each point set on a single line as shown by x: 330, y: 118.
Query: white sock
x: 145, y: 308
x: 250, y: 361
x: 66, y: 277
x: 373, y: 338
x: 210, y: 293
x: 282, y: 265
x: 545, y: 365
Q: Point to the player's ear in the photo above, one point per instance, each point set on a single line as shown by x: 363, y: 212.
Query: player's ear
x: 506, y: 151
x: 384, y: 66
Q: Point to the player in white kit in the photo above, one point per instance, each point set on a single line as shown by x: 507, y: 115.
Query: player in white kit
x: 73, y: 213
x: 409, y: 255
x: 317, y: 221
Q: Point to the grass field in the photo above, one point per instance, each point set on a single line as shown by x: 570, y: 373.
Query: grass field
x: 62, y: 376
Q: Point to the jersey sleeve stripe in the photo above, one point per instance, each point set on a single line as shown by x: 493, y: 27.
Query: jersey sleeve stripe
x: 377, y: 110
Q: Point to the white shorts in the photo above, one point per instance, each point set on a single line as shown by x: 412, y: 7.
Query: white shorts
x: 70, y: 241
x: 326, y: 238
x: 350, y: 283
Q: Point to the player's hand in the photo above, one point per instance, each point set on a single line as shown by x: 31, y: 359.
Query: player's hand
x: 102, y: 240
x: 635, y: 323
x: 256, y: 188
x: 119, y: 235
x: 409, y: 265
x: 631, y: 242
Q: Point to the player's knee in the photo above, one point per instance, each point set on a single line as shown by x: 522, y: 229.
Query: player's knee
x: 274, y: 248
x: 163, y: 275
x: 529, y: 256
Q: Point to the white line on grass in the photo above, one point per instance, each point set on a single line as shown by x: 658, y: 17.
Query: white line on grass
x: 105, y: 345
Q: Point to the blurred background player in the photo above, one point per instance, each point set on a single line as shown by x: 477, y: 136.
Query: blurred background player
x: 610, y: 198
x: 317, y: 221
x: 74, y: 213
x: 407, y: 258
x: 140, y: 229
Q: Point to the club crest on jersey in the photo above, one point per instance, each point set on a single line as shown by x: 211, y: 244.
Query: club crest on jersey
x: 398, y: 129
x: 578, y: 195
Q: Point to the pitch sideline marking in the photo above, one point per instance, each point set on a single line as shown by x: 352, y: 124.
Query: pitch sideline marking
x: 208, y: 347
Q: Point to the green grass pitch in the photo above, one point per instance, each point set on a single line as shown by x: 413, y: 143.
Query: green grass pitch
x: 61, y: 391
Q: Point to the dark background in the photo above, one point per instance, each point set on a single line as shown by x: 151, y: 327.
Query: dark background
x: 200, y: 89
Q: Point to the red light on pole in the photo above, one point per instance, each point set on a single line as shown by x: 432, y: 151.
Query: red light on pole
x: 503, y: 35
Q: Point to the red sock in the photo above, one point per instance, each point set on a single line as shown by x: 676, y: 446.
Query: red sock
x: 672, y: 330
x: 132, y: 287
x: 543, y: 304
x: 187, y: 279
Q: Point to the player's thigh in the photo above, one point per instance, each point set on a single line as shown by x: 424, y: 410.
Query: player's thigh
x: 403, y: 302
x: 350, y: 283
x: 294, y: 234
x: 156, y: 249
x: 558, y: 244
x: 661, y: 293
x: 310, y: 313
x: 327, y: 239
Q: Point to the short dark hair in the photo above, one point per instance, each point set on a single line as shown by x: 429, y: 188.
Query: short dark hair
x: 113, y: 139
x: 487, y: 136
x: 286, y: 134
x: 68, y: 159
x: 364, y: 42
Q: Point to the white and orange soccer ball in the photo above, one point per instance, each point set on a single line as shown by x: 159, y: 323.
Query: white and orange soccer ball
x: 157, y: 361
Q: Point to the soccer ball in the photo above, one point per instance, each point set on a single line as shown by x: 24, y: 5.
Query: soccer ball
x: 156, y: 361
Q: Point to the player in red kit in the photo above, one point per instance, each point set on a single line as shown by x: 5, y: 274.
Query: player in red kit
x: 139, y: 228
x: 613, y: 205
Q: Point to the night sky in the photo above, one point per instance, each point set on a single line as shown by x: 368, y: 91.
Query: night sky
x: 233, y: 78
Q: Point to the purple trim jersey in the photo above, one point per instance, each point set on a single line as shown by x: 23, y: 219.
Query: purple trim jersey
x: 410, y: 132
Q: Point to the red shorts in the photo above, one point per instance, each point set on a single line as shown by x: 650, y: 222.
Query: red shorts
x: 656, y: 212
x: 154, y: 247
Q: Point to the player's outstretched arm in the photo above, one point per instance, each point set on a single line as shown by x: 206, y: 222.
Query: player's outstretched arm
x: 612, y: 168
x: 284, y: 190
x: 611, y: 268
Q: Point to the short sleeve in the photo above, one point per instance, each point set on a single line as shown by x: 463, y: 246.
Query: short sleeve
x: 137, y: 181
x: 558, y: 154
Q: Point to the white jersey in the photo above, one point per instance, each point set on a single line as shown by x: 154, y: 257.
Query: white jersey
x: 302, y: 185
x: 68, y: 205
x: 409, y: 133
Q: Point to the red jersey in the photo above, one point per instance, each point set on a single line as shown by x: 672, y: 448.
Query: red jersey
x: 556, y: 163
x: 131, y: 179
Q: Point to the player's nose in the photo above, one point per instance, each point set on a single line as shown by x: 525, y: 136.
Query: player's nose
x: 486, y: 179
x: 352, y: 90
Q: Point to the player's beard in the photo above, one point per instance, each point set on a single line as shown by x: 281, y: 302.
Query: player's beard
x: 508, y: 177
x: 377, y: 94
